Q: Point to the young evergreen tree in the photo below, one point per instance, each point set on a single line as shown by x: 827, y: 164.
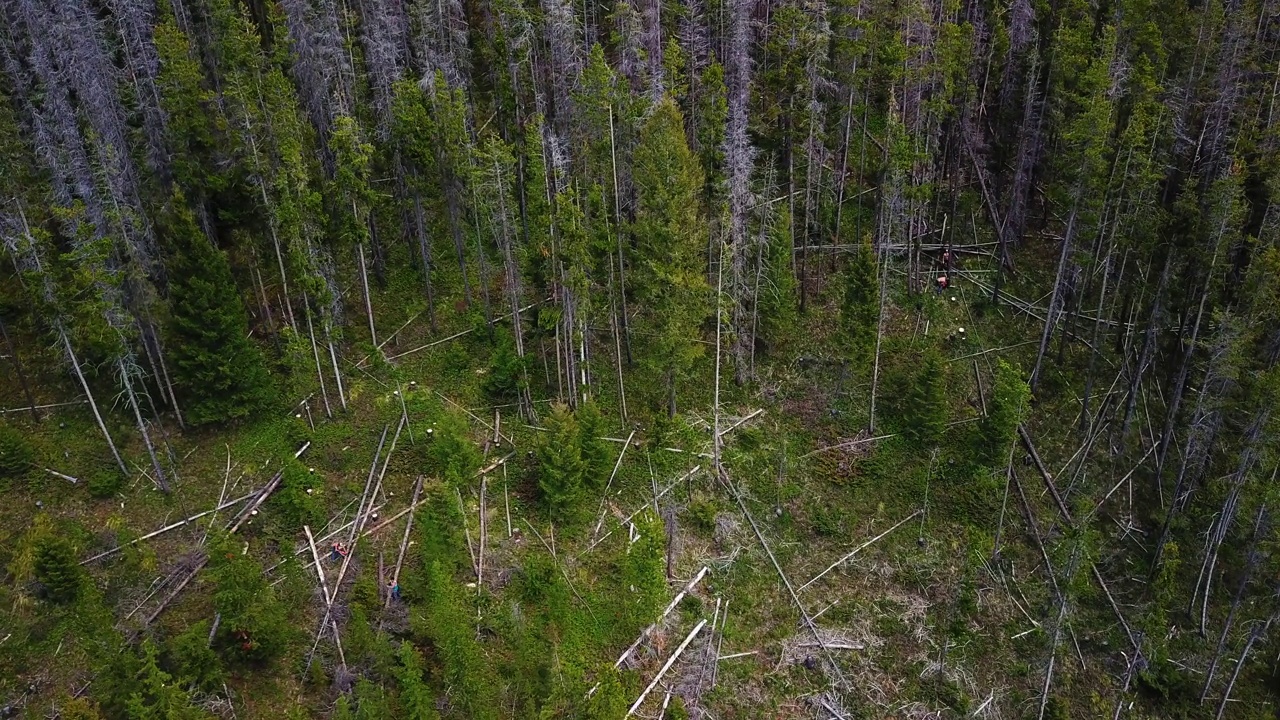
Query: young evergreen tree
x: 415, y: 695
x: 439, y: 530
x: 254, y: 627
x: 446, y: 622
x: 56, y: 569
x: 595, y: 451
x: 775, y: 283
x: 642, y: 576
x: 560, y: 463
x: 157, y: 697
x: 16, y: 455
x: 860, y: 309
x: 218, y: 370
x: 669, y: 231
x: 924, y: 403
x: 609, y: 700
x: 1006, y: 407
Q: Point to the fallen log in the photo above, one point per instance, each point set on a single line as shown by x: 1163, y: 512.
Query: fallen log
x: 260, y: 498
x: 167, y: 528
x: 666, y: 666
x: 404, y: 541
x: 858, y: 549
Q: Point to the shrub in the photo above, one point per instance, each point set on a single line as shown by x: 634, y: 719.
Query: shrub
x: 105, y: 482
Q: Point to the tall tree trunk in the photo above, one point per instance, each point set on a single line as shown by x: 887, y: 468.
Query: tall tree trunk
x: 1148, y: 351
x: 1251, y: 562
x: 368, y: 301
x: 424, y: 249
x: 333, y: 357
x: 88, y: 394
x: 1055, y: 299
x: 315, y: 351
x: 617, y: 221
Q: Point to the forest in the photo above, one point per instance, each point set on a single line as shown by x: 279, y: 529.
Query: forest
x: 484, y: 359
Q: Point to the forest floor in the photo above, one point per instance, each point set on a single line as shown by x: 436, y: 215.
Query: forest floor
x: 925, y: 620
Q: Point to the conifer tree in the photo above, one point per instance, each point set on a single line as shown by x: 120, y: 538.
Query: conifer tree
x: 669, y: 232
x: 415, y: 695
x: 192, y: 123
x: 439, y: 530
x: 352, y: 198
x: 254, y: 625
x: 157, y: 697
x: 608, y: 701
x: 924, y: 405
x: 15, y: 453
x: 642, y: 572
x: 1005, y: 409
x: 56, y: 568
x: 596, y: 461
x: 560, y: 464
x: 861, y: 305
x: 447, y: 623
x: 219, y: 371
x: 775, y: 283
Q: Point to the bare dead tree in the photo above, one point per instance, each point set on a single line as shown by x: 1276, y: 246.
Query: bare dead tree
x: 739, y: 162
x: 439, y: 40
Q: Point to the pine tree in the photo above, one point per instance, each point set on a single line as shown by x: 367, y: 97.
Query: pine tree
x: 861, y: 307
x: 217, y: 368
x: 642, y: 573
x: 669, y: 231
x: 1005, y: 410
x: 596, y: 461
x: 439, y: 530
x: 56, y: 569
x: 16, y: 455
x: 447, y: 622
x: 157, y: 697
x: 560, y: 463
x: 608, y: 702
x: 254, y: 625
x: 924, y: 404
x: 775, y: 283
x: 415, y: 695
x: 192, y: 125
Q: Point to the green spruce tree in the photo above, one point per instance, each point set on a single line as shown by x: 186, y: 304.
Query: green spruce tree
x: 1005, y: 409
x: 16, y: 455
x: 560, y: 463
x: 217, y: 368
x: 924, y: 404
x: 670, y: 277
x: 861, y: 307
x: 416, y: 696
x: 56, y: 569
x: 596, y: 456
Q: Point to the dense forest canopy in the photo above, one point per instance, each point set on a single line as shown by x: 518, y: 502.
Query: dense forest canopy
x: 646, y: 314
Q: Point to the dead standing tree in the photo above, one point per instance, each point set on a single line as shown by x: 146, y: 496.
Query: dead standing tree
x: 739, y: 162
